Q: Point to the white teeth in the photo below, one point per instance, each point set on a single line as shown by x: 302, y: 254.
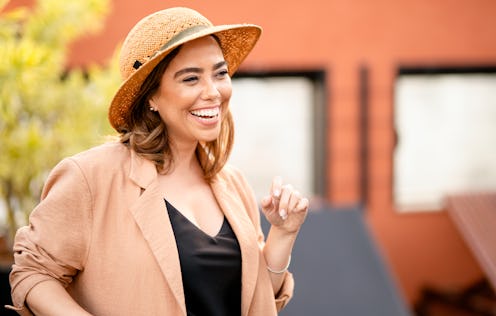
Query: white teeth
x: 206, y: 112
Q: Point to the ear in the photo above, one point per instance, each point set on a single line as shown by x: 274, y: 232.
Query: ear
x: 153, y: 108
x: 152, y: 104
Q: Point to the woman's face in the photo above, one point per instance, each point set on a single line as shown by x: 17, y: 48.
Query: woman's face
x: 194, y: 92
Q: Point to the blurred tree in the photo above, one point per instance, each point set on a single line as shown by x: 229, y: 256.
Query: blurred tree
x: 46, y: 110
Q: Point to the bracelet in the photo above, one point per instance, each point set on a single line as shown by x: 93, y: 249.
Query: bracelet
x: 280, y: 271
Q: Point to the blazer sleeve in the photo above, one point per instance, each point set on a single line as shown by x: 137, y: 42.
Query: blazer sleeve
x: 54, y: 245
x: 246, y: 192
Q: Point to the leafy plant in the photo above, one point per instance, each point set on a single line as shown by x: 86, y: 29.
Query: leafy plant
x: 47, y: 111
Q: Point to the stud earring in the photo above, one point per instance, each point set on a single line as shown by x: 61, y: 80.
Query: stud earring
x: 153, y: 109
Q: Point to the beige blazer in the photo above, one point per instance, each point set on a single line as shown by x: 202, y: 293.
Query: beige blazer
x: 102, y: 230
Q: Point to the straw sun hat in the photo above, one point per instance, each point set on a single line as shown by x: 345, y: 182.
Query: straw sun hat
x: 156, y: 35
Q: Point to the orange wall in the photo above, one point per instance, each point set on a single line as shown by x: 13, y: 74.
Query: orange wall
x: 338, y: 36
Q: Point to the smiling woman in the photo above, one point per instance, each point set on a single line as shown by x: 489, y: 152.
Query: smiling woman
x: 157, y: 223
x: 194, y: 89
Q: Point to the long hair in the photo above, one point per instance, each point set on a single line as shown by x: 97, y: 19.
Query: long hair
x: 146, y: 133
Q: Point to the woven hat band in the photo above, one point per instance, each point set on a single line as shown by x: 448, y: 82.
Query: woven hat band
x: 179, y: 36
x: 176, y: 38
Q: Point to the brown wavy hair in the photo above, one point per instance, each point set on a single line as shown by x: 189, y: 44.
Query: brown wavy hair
x: 146, y: 133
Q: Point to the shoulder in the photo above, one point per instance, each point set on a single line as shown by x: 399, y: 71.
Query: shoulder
x: 107, y: 156
x: 235, y: 183
x: 232, y: 175
x: 89, y: 170
x: 103, y: 160
x: 107, y: 153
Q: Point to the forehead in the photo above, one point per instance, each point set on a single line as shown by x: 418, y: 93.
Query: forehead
x: 203, y: 49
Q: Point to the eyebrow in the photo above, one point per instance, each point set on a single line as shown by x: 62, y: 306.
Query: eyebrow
x: 198, y: 70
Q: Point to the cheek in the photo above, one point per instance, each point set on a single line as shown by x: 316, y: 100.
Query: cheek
x: 174, y: 100
x: 226, y: 92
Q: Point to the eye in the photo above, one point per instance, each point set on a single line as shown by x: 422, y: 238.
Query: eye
x: 222, y: 73
x: 190, y: 79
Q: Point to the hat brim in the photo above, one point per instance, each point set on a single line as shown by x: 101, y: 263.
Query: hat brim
x: 236, y: 41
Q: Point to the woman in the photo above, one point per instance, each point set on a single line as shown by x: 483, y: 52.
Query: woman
x: 157, y: 224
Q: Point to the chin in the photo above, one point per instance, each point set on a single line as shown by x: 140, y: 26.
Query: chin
x: 208, y: 138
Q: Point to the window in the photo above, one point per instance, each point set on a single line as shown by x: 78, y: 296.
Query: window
x: 279, y: 125
x: 446, y: 127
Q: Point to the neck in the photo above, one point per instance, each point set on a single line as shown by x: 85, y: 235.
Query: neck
x: 184, y: 159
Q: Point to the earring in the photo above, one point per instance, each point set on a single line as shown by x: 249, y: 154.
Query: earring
x: 153, y: 109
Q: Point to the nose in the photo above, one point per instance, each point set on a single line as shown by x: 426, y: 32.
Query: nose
x: 210, y: 90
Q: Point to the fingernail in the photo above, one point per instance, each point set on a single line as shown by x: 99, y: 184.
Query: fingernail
x: 283, y: 214
x: 277, y: 193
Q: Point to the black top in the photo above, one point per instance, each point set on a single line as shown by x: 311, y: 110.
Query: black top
x: 210, y: 267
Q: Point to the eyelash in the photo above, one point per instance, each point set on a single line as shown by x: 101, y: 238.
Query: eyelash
x: 221, y: 73
x: 190, y: 79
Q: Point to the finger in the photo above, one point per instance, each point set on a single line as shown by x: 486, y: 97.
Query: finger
x: 267, y: 204
x: 283, y: 214
x: 302, y: 205
x: 293, y: 200
x: 275, y: 190
x: 286, y: 191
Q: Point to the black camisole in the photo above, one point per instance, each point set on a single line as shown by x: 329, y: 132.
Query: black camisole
x: 210, y: 267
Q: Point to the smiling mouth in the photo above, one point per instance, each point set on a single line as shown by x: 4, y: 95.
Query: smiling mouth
x: 206, y: 113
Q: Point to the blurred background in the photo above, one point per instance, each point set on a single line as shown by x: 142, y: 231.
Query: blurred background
x: 382, y: 109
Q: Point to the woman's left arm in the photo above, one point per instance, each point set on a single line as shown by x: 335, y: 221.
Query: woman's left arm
x: 286, y: 210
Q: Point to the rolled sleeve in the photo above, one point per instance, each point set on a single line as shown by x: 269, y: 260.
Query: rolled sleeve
x: 286, y: 292
x: 55, y: 244
x: 23, y: 310
x: 22, y: 289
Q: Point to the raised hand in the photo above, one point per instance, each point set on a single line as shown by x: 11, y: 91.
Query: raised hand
x: 284, y: 207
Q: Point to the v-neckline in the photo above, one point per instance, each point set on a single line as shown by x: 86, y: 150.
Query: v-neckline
x: 196, y: 227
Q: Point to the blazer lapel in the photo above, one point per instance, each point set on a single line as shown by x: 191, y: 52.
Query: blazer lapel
x: 150, y: 214
x: 246, y: 234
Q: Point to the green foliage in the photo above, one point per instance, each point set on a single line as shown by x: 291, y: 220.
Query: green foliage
x: 46, y: 111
